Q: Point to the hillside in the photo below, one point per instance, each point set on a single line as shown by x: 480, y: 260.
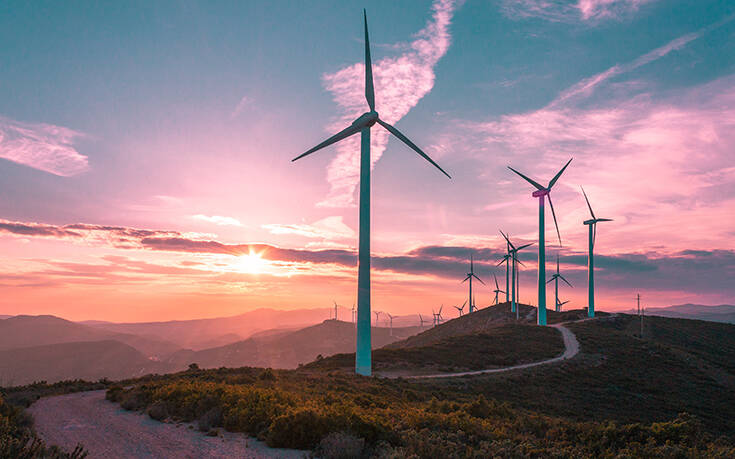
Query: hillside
x: 26, y: 331
x: 285, y: 349
x: 204, y: 333
x: 722, y: 313
x: 90, y: 360
x: 669, y: 394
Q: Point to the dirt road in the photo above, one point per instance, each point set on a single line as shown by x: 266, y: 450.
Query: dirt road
x: 108, y: 431
x: 571, y: 348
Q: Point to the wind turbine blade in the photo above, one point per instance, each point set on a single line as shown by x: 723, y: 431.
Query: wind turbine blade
x: 552, y: 278
x: 588, y: 203
x: 507, y: 240
x: 520, y: 262
x: 405, y: 140
x: 551, y: 204
x: 369, y: 90
x: 536, y: 184
x: 478, y: 279
x: 562, y: 278
x: 464, y: 304
x: 523, y: 247
x: 604, y: 220
x: 465, y: 279
x: 556, y: 177
x: 343, y: 134
x: 496, y: 281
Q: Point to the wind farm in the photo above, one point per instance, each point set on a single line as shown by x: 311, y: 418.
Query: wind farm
x: 175, y: 270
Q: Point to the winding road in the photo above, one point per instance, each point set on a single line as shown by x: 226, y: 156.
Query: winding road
x: 107, y: 431
x: 571, y: 348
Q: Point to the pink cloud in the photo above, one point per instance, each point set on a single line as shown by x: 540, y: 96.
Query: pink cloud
x: 41, y: 146
x: 400, y: 82
x: 571, y: 11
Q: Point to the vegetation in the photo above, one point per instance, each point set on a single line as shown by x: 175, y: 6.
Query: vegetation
x: 621, y: 397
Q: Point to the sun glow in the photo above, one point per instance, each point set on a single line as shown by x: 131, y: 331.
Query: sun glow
x: 252, y: 263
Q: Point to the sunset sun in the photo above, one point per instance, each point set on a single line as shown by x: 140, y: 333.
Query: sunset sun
x: 251, y: 263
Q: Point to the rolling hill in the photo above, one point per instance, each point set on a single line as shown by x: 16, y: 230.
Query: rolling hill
x: 285, y: 349
x: 90, y: 360
x: 721, y: 313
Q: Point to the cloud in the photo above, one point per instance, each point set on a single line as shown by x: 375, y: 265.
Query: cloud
x: 590, y: 11
x: 400, y: 82
x: 244, y: 102
x: 587, y: 86
x: 692, y: 270
x: 218, y: 220
x: 41, y: 146
x: 327, y: 228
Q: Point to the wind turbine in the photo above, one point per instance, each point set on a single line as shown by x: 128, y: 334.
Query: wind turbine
x: 353, y: 313
x: 421, y: 320
x: 363, y: 352
x: 377, y: 318
x: 391, y: 323
x: 470, y: 275
x: 540, y: 192
x: 514, y: 259
x: 460, y: 309
x: 556, y: 278
x: 592, y: 224
x: 497, y: 289
x: 437, y: 315
x: 335, y: 310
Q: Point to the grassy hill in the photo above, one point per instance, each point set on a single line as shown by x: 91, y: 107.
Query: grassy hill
x: 669, y: 394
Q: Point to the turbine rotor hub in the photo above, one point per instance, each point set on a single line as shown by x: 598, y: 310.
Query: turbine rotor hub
x: 367, y: 119
x: 539, y: 193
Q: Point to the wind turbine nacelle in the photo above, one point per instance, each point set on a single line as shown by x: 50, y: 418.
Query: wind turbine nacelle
x: 590, y: 222
x: 366, y: 119
x: 539, y: 193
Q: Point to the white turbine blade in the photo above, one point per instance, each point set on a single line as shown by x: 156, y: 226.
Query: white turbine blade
x: 536, y: 184
x: 523, y: 247
x: 507, y: 240
x: 603, y: 220
x: 413, y: 146
x: 464, y: 304
x: 552, y: 278
x: 496, y: 281
x: 553, y: 214
x: 478, y: 279
x: 465, y: 279
x: 556, y: 177
x: 343, y: 134
x: 588, y: 203
x: 369, y: 90
x: 562, y: 278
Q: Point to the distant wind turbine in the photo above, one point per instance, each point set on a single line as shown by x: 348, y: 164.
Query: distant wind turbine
x: 497, y: 289
x: 335, y: 310
x: 437, y: 315
x: 559, y: 304
x: 514, y: 259
x: 556, y: 278
x: 421, y: 320
x: 540, y: 192
x: 506, y: 260
x: 363, y: 352
x: 460, y: 310
x: 469, y: 277
x: 592, y: 224
x: 377, y: 318
x: 391, y: 323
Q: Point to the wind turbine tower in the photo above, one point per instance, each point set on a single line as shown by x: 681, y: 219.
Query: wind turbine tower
x: 363, y: 349
x: 540, y: 193
x: 391, y: 323
x: 497, y: 289
x: 377, y: 318
x: 335, y: 311
x: 514, y: 259
x: 592, y: 224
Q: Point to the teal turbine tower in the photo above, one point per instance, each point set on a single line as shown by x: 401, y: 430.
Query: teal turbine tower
x: 540, y: 193
x: 363, y: 356
x: 592, y: 224
x: 513, y: 253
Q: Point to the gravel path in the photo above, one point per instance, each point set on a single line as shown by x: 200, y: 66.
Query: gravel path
x: 571, y: 348
x: 108, y: 431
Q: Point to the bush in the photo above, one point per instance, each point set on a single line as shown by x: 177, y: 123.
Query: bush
x: 158, y: 411
x: 340, y: 445
x: 212, y: 418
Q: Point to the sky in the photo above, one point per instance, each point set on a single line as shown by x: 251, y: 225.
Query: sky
x: 145, y: 152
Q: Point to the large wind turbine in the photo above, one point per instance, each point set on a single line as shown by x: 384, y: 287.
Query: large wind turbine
x: 590, y: 258
x: 514, y: 259
x: 363, y: 355
x: 540, y: 192
x: 556, y: 278
x: 469, y: 277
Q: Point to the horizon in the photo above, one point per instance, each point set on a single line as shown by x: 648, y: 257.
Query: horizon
x: 159, y: 186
